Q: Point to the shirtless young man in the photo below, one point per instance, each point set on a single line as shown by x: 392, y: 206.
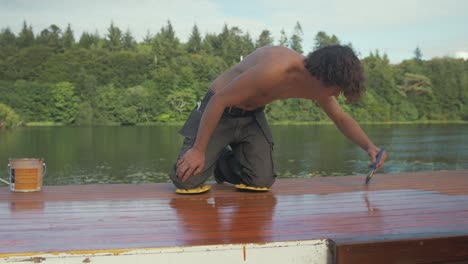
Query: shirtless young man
x: 227, y: 134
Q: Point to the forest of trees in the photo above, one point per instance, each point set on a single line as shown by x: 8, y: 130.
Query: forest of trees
x: 54, y: 77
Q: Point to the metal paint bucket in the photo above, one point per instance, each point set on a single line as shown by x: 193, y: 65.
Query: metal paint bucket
x: 26, y: 174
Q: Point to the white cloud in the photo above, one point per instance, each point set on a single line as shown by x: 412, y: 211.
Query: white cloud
x: 461, y: 55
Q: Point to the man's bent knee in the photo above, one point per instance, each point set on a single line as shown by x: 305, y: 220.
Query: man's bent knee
x: 264, y: 180
x: 191, y: 183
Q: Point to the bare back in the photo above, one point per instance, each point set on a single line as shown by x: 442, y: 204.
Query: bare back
x: 287, y: 65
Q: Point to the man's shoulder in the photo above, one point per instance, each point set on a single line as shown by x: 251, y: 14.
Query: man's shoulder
x: 282, y: 59
x: 278, y: 52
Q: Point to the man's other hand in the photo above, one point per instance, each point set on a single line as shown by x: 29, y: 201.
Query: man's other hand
x: 191, y: 163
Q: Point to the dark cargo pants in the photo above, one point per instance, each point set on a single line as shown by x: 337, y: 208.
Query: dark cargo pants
x: 239, y: 150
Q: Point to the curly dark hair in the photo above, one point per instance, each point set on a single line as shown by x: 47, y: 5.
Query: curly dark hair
x: 338, y: 65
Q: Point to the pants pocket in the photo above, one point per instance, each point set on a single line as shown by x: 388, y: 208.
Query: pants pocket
x: 190, y: 128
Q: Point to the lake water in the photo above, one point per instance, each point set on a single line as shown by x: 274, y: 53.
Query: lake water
x: 86, y: 155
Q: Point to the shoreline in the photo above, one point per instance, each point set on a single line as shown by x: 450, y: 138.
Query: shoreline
x: 274, y: 123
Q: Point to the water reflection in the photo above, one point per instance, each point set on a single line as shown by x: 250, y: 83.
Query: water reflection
x: 370, y: 208
x: 26, y: 206
x: 225, y: 219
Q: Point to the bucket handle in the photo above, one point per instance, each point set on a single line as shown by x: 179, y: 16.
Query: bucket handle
x: 8, y: 171
x: 2, y: 180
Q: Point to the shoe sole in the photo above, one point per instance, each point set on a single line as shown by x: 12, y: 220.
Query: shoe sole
x: 251, y: 188
x: 198, y: 190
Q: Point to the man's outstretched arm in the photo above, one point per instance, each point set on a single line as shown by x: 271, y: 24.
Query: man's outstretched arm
x: 350, y: 128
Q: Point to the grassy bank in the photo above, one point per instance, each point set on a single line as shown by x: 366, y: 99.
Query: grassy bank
x: 422, y: 122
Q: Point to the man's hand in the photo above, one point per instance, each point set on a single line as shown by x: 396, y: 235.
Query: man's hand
x: 373, y: 155
x: 191, y: 163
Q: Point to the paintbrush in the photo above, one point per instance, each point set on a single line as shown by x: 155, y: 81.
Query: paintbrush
x: 374, y: 165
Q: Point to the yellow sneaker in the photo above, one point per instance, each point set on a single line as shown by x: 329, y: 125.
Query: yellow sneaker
x: 200, y: 189
x: 242, y: 186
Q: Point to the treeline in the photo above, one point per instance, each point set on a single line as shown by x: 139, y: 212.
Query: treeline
x: 114, y: 79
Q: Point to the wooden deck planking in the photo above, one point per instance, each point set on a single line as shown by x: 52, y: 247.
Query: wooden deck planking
x: 420, y: 205
x: 445, y: 250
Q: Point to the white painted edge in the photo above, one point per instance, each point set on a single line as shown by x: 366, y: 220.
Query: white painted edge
x: 307, y: 251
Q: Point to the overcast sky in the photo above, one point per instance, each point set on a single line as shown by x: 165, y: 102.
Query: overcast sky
x: 396, y: 27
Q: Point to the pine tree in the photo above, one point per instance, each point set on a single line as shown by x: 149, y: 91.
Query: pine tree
x: 194, y: 43
x: 7, y: 38
x: 128, y: 42
x: 68, y: 39
x: 166, y: 45
x: 114, y: 38
x: 88, y: 40
x: 323, y: 40
x: 26, y: 36
x: 283, y: 41
x: 148, y: 38
x: 296, y: 39
x: 265, y: 39
x: 418, y: 54
x: 169, y: 33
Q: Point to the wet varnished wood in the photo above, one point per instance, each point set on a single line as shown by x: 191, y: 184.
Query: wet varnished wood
x: 395, y: 207
x: 439, y: 249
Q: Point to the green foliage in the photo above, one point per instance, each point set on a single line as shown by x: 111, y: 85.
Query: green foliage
x: 69, y: 66
x: 106, y: 104
x: 127, y: 68
x: 84, y: 116
x: 8, y: 117
x: 134, y: 106
x: 27, y: 63
x: 114, y: 79
x: 7, y: 38
x: 231, y: 45
x: 128, y: 116
x: 371, y: 108
x: 380, y: 78
x: 449, y: 84
x: 416, y: 84
x: 51, y: 38
x: 181, y: 102
x: 404, y: 111
x: 323, y: 40
x: 88, y: 40
x: 295, y: 110
x: 31, y: 100
x: 66, y: 103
